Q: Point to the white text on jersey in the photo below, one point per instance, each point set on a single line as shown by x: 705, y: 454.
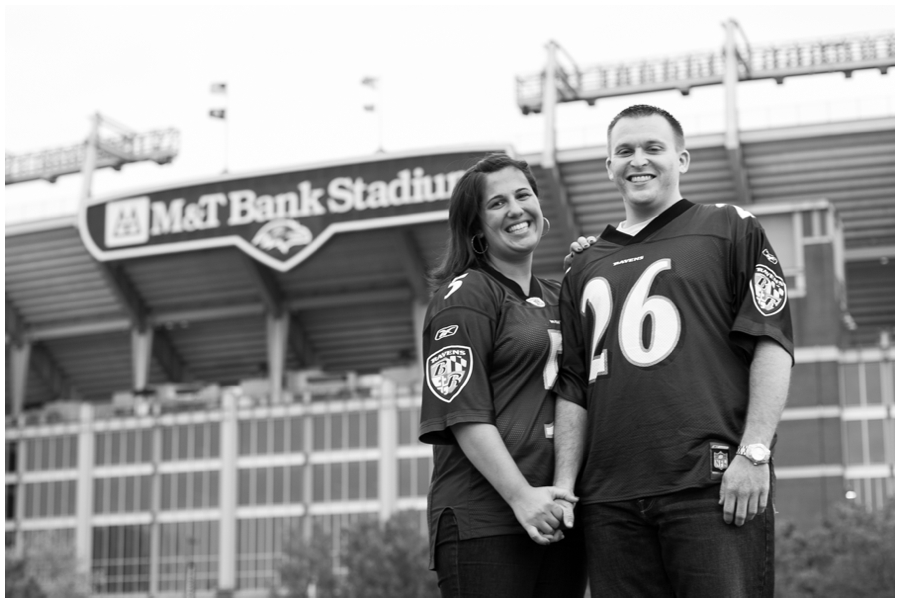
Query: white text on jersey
x: 637, y: 259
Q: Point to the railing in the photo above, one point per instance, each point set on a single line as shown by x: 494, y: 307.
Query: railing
x: 706, y: 68
x: 160, y: 146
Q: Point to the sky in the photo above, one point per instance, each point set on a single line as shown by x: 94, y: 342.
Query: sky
x: 446, y: 77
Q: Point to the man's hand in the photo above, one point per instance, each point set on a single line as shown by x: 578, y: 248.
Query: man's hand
x: 577, y: 246
x: 744, y: 491
x: 568, y: 513
x: 538, y: 511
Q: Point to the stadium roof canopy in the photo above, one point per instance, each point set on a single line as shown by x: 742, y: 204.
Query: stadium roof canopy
x: 203, y: 264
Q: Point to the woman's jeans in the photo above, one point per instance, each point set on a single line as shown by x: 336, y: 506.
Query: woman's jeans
x: 508, y: 566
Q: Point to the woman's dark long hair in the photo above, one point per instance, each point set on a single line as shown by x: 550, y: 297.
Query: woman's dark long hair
x: 465, y: 217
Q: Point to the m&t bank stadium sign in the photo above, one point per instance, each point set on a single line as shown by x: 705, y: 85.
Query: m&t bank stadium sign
x: 278, y: 218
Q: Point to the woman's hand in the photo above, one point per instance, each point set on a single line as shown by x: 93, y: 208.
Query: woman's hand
x: 539, y: 512
x: 577, y: 246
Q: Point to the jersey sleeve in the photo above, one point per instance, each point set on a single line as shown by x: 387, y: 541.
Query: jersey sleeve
x: 571, y: 383
x: 457, y: 350
x: 760, y: 294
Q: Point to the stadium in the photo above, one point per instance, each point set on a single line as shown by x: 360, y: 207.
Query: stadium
x: 194, y: 370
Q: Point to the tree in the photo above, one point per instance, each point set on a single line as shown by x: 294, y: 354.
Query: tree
x: 851, y: 554
x: 307, y: 569
x: 47, y: 569
x: 389, y: 560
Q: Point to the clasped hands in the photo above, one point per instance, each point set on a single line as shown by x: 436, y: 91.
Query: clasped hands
x: 544, y: 511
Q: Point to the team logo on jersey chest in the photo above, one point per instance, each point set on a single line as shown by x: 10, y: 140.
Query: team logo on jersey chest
x: 769, y: 291
x: 449, y: 370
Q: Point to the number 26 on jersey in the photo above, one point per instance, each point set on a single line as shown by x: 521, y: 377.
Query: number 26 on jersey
x: 639, y: 306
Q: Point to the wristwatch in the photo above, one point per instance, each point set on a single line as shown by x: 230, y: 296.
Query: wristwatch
x: 758, y: 454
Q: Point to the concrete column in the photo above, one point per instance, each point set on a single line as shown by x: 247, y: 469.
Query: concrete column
x: 141, y: 353
x: 20, y: 354
x: 276, y: 339
x: 730, y: 80
x: 228, y: 448
x: 155, y: 503
x: 387, y: 443
x: 548, y: 156
x: 84, y: 505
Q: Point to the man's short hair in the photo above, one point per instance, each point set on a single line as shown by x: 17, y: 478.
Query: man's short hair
x: 647, y: 111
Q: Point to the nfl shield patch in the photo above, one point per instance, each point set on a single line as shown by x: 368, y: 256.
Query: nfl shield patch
x: 449, y: 370
x: 718, y: 460
x: 769, y: 291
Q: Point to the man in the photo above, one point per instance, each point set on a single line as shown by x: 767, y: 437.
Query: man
x: 677, y: 351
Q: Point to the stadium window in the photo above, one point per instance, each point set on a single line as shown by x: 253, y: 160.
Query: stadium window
x: 262, y: 486
x: 337, y: 482
x: 181, y: 491
x: 244, y: 437
x: 372, y: 429
x: 296, y: 483
x: 318, y: 493
x: 199, y: 451
x: 319, y: 432
x: 166, y: 483
x: 337, y: 431
x: 278, y: 425
x: 184, y: 439
x: 146, y: 445
x: 297, y: 434
x: 11, y: 501
x: 876, y: 429
x: 872, y: 372
x: 263, y: 438
x: 244, y: 487
x: 850, y: 378
x: 371, y: 480
x: 98, y: 496
x: 353, y: 481
x: 11, y: 456
x: 59, y: 452
x: 45, y: 453
x: 213, y: 498
x: 278, y: 482
x: 145, y: 496
x: 115, y: 448
x: 168, y: 436
x: 404, y: 477
x: 403, y: 426
x: 854, y: 431
x: 114, y: 485
x: 353, y: 434
x: 43, y: 499
x: 214, y: 440
x: 30, y: 500
x: 31, y: 452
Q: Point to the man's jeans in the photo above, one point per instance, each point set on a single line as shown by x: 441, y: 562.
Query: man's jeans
x: 508, y: 566
x: 678, y: 545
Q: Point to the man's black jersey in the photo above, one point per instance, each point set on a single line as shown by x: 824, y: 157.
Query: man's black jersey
x: 491, y: 356
x: 659, y: 331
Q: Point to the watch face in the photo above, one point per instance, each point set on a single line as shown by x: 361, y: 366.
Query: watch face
x: 756, y: 454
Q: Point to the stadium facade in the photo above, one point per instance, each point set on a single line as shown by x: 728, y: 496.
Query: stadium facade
x: 197, y: 371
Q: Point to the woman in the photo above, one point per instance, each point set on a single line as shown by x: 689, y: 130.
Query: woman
x: 491, y: 340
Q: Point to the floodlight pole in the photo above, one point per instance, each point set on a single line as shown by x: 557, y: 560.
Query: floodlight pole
x: 548, y: 156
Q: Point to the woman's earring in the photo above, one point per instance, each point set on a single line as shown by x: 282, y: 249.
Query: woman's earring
x: 547, y: 228
x: 484, y: 247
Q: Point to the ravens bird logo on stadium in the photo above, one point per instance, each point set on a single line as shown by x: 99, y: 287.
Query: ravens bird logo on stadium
x: 282, y: 234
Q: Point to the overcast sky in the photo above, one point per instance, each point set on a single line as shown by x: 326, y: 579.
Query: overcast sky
x: 446, y: 77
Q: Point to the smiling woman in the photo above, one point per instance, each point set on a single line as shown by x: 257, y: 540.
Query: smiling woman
x: 491, y: 342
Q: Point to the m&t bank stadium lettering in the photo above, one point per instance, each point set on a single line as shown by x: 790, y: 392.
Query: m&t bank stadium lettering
x: 342, y: 195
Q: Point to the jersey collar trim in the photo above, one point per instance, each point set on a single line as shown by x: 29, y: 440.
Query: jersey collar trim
x: 613, y: 235
x: 534, y: 289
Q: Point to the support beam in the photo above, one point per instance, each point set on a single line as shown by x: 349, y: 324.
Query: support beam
x: 125, y: 292
x: 168, y: 358
x: 411, y: 258
x: 47, y: 369
x: 15, y: 324
x: 732, y: 131
x: 301, y: 344
x: 276, y: 340
x: 141, y: 353
x: 18, y: 375
x: 266, y: 285
x: 548, y: 155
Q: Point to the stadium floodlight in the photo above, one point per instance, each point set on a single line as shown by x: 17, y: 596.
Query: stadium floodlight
x: 112, y: 148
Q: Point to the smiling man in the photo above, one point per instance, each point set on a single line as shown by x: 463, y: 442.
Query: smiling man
x: 677, y: 350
